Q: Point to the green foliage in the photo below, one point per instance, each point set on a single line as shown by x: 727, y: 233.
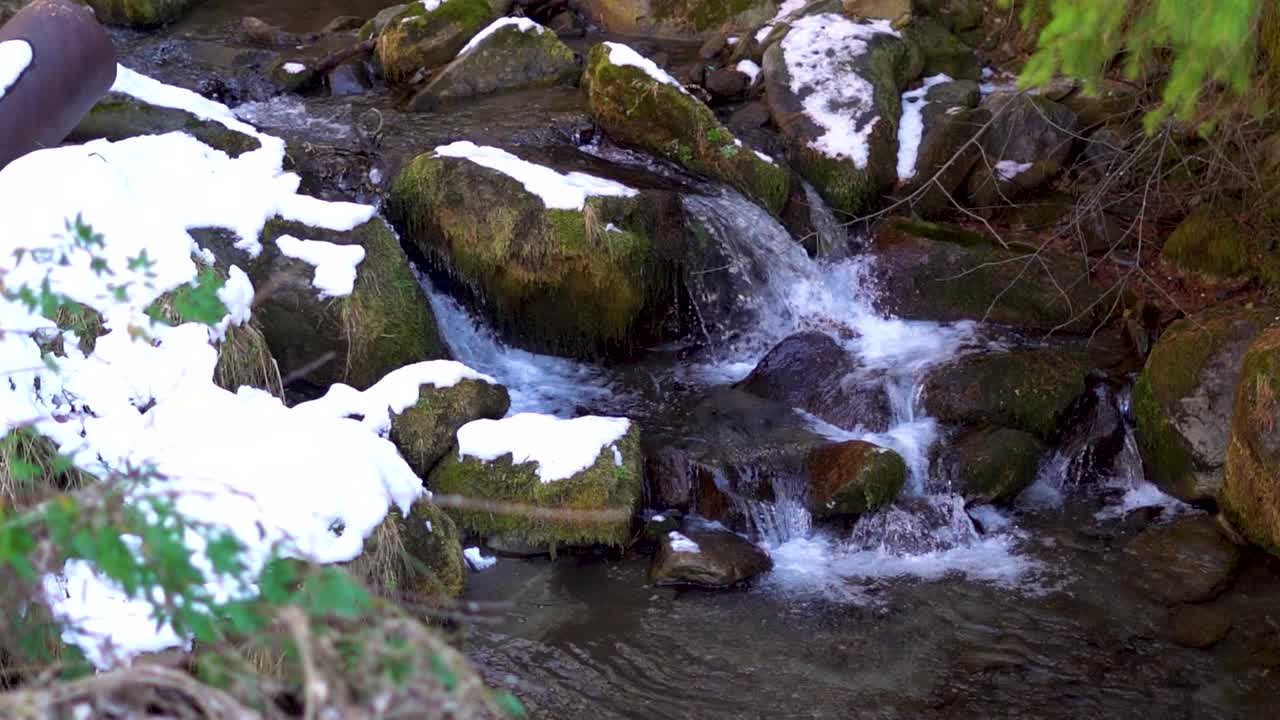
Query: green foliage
x: 1209, y: 46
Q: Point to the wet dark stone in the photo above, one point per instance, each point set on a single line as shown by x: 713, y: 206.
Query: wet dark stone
x: 727, y: 83
x: 1185, y: 561
x: 707, y: 558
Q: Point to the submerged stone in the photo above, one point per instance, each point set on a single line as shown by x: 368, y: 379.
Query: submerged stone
x: 1184, y: 400
x: 1185, y: 561
x: 707, y: 557
x: 1250, y: 495
x: 639, y: 105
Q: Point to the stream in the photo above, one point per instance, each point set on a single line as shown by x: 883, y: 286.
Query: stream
x: 1047, y: 609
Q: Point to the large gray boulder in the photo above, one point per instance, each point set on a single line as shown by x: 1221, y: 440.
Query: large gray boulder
x: 1027, y: 143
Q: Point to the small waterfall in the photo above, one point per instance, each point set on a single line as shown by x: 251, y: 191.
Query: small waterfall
x: 831, y: 237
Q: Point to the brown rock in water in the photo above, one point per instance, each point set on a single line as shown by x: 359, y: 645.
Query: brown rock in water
x: 260, y: 32
x: 854, y: 477
x: 707, y: 558
x: 727, y: 83
x: 343, y: 23
x: 1198, y: 626
x: 1185, y: 561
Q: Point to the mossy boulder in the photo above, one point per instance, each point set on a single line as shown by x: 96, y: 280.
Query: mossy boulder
x: 663, y: 119
x: 584, y: 283
x: 428, y: 34
x: 417, y: 558
x: 376, y: 24
x: 938, y: 272
x: 1209, y: 246
x: 1250, y: 495
x: 944, y: 54
x: 426, y: 430
x: 859, y: 88
x: 1027, y: 143
x: 384, y: 324
x: 610, y: 487
x: 707, y: 557
x: 119, y: 116
x: 140, y: 13
x: 955, y: 15
x: 1028, y: 390
x: 1184, y: 400
x: 853, y: 477
x: 945, y: 156
x: 678, y: 19
x: 519, y: 53
x: 992, y: 465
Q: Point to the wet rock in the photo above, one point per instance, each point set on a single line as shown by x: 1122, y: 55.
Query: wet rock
x: 727, y: 83
x: 661, y: 118
x: 944, y: 54
x: 1186, y: 561
x: 118, y: 116
x: 965, y: 93
x: 295, y: 74
x: 812, y: 372
x: 384, y: 324
x: 707, y: 558
x: 375, y: 25
x: 915, y: 525
x: 936, y: 272
x: 991, y: 465
x: 418, y: 556
x: 419, y: 37
x: 343, y: 24
x: 583, y: 283
x: 1027, y: 390
x: 567, y: 24
x: 259, y: 32
x: 348, y: 79
x: 945, y: 156
x: 1027, y: 143
x: 686, y: 20
x: 612, y: 483
x: 752, y: 116
x: 1198, y: 626
x: 955, y: 15
x: 515, y: 55
x: 851, y: 173
x: 424, y: 431
x: 1208, y: 246
x: 1184, y: 400
x: 897, y: 12
x: 851, y: 478
x: 713, y: 46
x: 668, y: 479
x: 1250, y: 496
x: 140, y: 13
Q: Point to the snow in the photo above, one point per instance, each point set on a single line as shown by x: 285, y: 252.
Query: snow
x: 293, y: 68
x: 763, y: 33
x: 561, y: 448
x: 748, y: 68
x: 559, y: 191
x: 305, y: 481
x: 431, y: 5
x: 519, y: 23
x: 396, y: 392
x: 15, y: 57
x: 620, y: 54
x: 682, y: 544
x: 816, y: 52
x: 477, y: 560
x: 1009, y: 169
x: 335, y: 264
x: 911, y: 126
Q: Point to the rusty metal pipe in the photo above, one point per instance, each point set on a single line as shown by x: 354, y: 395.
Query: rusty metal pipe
x: 73, y: 65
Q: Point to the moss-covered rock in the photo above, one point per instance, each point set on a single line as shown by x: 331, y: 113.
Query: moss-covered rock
x: 937, y: 272
x: 418, y: 558
x: 860, y: 90
x: 610, y: 488
x: 853, y: 477
x: 425, y: 431
x: 1209, y: 246
x: 1027, y: 390
x: 679, y: 18
x: 140, y: 13
x: 1250, y: 496
x: 943, y: 52
x: 1184, y: 400
x: 945, y: 156
x: 707, y: 557
x: 384, y: 324
x: 429, y: 34
x: 1027, y: 143
x: 955, y: 15
x: 660, y: 118
x: 992, y: 465
x: 581, y: 283
x: 118, y: 116
x: 518, y: 54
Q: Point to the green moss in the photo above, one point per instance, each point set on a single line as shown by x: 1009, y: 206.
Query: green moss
x: 995, y: 464
x: 1250, y: 494
x: 139, y: 13
x: 119, y: 116
x: 418, y: 38
x: 659, y: 118
x: 1208, y: 245
x: 599, y: 487
x: 1028, y: 390
x: 425, y: 431
x: 416, y: 559
x: 852, y: 478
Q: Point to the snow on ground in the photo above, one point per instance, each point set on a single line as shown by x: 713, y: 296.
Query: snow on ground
x: 911, y: 126
x: 682, y: 544
x: 520, y: 23
x: 620, y: 54
x: 15, y: 57
x: 1009, y: 169
x: 302, y: 481
x: 748, y: 68
x: 559, y: 191
x: 335, y: 264
x: 816, y: 52
x: 561, y: 448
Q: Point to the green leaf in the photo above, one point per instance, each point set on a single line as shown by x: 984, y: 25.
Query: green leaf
x: 200, y: 302
x: 332, y: 592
